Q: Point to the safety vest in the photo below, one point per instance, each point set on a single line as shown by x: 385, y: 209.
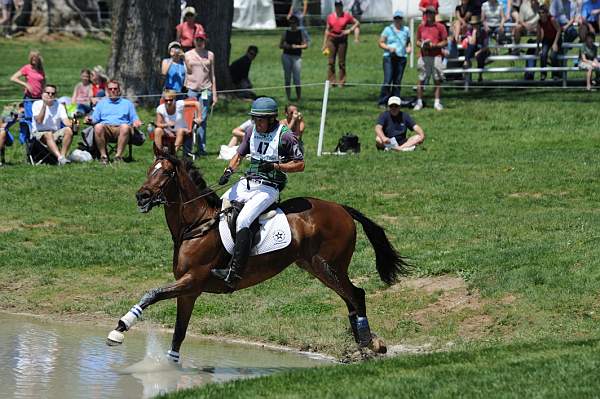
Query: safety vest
x: 266, y: 147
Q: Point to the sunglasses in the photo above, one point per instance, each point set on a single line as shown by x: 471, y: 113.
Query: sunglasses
x: 113, y: 89
x: 169, y: 100
x: 50, y: 93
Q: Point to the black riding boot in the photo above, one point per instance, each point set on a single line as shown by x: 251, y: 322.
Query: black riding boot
x: 241, y: 252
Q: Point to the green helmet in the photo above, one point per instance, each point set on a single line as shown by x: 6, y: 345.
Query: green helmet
x: 263, y: 106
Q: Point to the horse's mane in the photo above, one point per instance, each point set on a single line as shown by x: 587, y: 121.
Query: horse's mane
x: 194, y: 173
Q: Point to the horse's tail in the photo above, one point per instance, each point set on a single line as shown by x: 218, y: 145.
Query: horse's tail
x: 390, y: 265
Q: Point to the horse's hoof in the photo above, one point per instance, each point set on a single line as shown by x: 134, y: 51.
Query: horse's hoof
x: 377, y: 345
x: 115, y: 338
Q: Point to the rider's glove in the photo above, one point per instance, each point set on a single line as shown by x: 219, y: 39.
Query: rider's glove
x: 266, y: 167
x: 226, y: 175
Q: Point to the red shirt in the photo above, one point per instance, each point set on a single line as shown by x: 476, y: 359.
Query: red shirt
x: 338, y: 24
x: 97, y: 87
x: 549, y: 29
x: 430, y: 3
x: 434, y: 33
x: 186, y: 33
x: 35, y: 80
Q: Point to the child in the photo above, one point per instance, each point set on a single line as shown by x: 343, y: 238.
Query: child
x: 82, y: 94
x: 588, y: 59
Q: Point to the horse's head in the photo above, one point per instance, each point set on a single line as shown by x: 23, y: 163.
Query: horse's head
x: 161, y: 174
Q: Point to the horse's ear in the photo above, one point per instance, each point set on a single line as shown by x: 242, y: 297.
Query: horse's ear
x: 157, y: 151
x: 171, y: 147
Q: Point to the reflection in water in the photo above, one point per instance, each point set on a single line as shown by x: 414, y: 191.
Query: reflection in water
x: 69, y: 361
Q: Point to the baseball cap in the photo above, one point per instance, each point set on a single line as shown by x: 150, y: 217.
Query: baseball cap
x: 430, y: 10
x: 394, y: 100
x: 398, y: 14
x: 200, y: 35
x: 338, y: 3
x: 189, y: 11
x: 173, y: 44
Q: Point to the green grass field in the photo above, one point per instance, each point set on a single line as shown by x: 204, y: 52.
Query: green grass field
x: 498, y: 213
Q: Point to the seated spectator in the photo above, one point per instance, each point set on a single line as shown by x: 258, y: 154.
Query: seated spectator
x: 391, y: 128
x: 82, y: 94
x: 294, y: 120
x: 588, y: 59
x: 240, y: 71
x: 564, y: 14
x: 462, y: 13
x: 173, y: 69
x: 170, y: 120
x: 113, y: 119
x: 493, y: 19
x: 589, y: 18
x: 237, y: 134
x: 98, y: 84
x: 548, y: 34
x: 6, y: 138
x: 477, y: 44
x: 187, y: 30
x: 527, y: 21
x: 48, y: 114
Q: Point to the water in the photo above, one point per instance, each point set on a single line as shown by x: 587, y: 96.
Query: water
x: 39, y: 359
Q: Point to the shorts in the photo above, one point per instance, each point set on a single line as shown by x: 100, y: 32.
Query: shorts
x: 430, y: 66
x: 112, y: 132
x: 57, y: 134
x: 587, y: 66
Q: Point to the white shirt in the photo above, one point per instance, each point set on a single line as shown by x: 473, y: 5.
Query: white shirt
x: 53, y: 117
x: 177, y: 117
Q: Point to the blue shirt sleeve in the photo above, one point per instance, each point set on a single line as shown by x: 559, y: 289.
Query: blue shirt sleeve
x: 96, y: 115
x: 132, y: 114
x: 382, y: 119
x: 408, y: 121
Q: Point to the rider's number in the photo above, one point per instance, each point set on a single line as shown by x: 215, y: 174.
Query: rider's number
x: 263, y: 147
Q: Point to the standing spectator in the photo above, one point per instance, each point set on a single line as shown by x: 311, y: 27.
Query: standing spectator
x: 6, y: 9
x: 564, y: 14
x: 35, y: 80
x: 187, y: 30
x: 201, y: 83
x: 395, y: 41
x: 477, y: 46
x: 240, y: 72
x: 294, y: 121
x: 48, y: 114
x: 527, y: 20
x: 299, y: 9
x: 171, y: 122
x: 423, y: 4
x: 335, y: 40
x: 173, y: 68
x: 98, y: 83
x: 589, y: 18
x: 391, y: 127
x: 82, y: 93
x: 432, y: 37
x: 357, y: 10
x: 292, y: 43
x: 113, y: 119
x: 548, y: 34
x: 588, y: 59
x: 493, y: 18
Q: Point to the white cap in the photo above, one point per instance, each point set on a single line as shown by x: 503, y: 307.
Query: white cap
x: 394, y: 100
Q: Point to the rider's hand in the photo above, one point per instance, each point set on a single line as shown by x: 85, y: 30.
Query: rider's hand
x: 226, y: 175
x: 266, y: 167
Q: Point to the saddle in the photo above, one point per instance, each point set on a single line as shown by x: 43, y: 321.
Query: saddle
x: 233, y: 210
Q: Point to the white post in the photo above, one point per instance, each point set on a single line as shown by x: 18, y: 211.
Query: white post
x: 323, y: 116
x: 413, y: 42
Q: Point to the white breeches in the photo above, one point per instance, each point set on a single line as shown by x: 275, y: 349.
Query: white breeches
x: 257, y: 199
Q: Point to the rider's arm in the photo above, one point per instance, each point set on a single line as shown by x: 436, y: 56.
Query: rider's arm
x: 289, y: 167
x: 235, y: 162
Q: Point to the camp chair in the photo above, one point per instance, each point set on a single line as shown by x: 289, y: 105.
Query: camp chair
x: 189, y: 113
x: 88, y: 143
x: 9, y: 137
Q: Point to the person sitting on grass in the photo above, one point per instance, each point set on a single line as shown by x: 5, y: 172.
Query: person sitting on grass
x: 237, y: 134
x: 170, y: 121
x: 294, y: 120
x: 588, y: 59
x: 391, y: 127
x: 48, y: 114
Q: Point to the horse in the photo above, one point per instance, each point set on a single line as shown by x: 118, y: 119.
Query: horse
x: 323, y: 242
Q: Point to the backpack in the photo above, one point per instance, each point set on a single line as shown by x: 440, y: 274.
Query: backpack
x: 348, y: 143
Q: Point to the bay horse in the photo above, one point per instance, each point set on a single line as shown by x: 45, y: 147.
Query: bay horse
x: 323, y: 241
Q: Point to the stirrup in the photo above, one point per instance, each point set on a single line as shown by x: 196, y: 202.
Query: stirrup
x: 227, y: 274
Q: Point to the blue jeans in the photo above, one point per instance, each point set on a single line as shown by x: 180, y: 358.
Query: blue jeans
x: 547, y: 49
x: 206, y: 104
x: 26, y: 123
x: 393, y: 70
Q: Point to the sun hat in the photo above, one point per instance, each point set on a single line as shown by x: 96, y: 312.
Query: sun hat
x: 338, y: 3
x: 189, y: 10
x: 394, y: 100
x: 173, y: 44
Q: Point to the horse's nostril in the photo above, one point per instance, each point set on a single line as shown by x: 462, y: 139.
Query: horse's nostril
x: 140, y: 195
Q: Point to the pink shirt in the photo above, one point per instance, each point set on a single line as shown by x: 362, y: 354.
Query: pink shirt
x: 83, y: 94
x: 35, y: 80
x: 186, y: 33
x: 199, y: 70
x: 430, y: 3
x: 434, y: 33
x: 338, y: 24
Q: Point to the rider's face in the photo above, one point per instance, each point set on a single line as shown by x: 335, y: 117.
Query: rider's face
x: 262, y: 124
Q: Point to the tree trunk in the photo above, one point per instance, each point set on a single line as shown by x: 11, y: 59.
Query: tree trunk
x: 76, y: 17
x: 141, y: 32
x: 217, y: 16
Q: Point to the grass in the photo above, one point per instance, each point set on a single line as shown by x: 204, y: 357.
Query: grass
x: 503, y: 194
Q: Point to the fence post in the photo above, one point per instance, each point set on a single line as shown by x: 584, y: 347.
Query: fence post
x: 413, y: 42
x: 323, y: 116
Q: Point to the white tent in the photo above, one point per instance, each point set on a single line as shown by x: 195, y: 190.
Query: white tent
x: 253, y: 14
x: 383, y: 9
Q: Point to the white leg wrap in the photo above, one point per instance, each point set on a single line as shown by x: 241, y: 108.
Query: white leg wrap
x: 132, y: 316
x: 173, y: 356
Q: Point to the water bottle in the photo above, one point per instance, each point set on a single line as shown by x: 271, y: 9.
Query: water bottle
x: 150, y: 130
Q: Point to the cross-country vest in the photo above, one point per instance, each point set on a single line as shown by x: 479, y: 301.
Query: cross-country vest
x: 266, y: 147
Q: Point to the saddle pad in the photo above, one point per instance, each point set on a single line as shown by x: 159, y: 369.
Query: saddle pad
x: 275, y: 234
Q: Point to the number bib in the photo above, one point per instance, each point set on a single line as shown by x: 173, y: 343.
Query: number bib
x: 265, y: 147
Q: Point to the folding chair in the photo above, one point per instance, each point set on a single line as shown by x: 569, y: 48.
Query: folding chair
x: 189, y: 114
x: 9, y: 137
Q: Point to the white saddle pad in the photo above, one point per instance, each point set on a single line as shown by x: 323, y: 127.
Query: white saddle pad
x: 275, y: 234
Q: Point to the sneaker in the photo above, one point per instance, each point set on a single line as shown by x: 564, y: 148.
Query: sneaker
x: 119, y: 159
x: 407, y: 149
x: 104, y: 160
x: 438, y: 106
x: 63, y: 161
x: 418, y: 106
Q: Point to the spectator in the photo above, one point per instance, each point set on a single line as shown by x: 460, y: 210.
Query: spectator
x: 423, y: 4
x: 82, y: 93
x: 170, y: 120
x: 292, y: 43
x: 6, y: 9
x: 391, y: 127
x: 588, y: 59
x: 589, y: 18
x: 237, y: 134
x: 114, y: 119
x: 513, y: 7
x: 187, y: 30
x: 462, y: 14
x: 6, y: 138
x: 335, y: 41
x: 201, y: 83
x: 173, y: 68
x: 98, y: 83
x: 493, y: 19
x: 357, y: 10
x: 548, y: 34
x: 527, y: 21
x: 395, y: 41
x: 294, y: 121
x: 240, y: 72
x: 477, y: 46
x: 432, y: 37
x: 564, y: 14
x: 35, y: 80
x: 48, y: 114
x: 299, y: 9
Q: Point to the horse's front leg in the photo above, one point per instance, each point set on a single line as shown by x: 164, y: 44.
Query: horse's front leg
x: 182, y: 287
x: 185, y: 306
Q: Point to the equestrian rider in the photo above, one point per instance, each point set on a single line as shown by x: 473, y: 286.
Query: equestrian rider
x: 274, y: 152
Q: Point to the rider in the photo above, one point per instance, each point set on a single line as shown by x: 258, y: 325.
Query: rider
x: 274, y: 151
